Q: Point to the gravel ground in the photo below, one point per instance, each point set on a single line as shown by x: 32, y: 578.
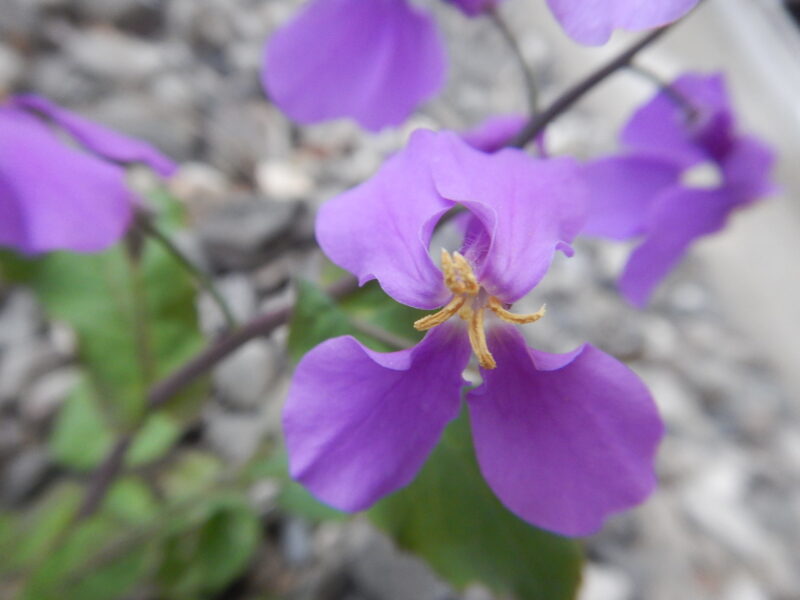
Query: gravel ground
x: 183, y: 74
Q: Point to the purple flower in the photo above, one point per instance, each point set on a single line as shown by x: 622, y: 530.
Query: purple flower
x: 563, y: 440
x: 474, y: 8
x: 494, y: 133
x: 373, y: 61
x: 647, y: 192
x: 62, y: 181
x: 592, y: 22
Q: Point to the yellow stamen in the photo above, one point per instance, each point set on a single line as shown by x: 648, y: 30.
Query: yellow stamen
x: 497, y: 308
x: 468, y: 302
x: 469, y: 282
x: 477, y: 339
x: 440, y: 317
x: 458, y: 275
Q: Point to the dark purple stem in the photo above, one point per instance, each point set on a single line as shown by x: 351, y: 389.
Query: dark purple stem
x: 537, y: 124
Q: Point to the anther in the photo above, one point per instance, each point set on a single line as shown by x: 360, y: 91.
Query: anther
x: 469, y: 281
x: 437, y: 318
x: 497, y: 308
x: 477, y: 339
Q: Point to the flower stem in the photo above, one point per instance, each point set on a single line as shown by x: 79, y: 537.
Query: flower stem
x: 538, y: 123
x: 202, y: 278
x: 163, y: 391
x: 531, y: 89
x: 673, y: 93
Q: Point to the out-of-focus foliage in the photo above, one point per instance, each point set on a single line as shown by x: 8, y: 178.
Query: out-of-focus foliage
x: 449, y: 516
x: 185, y: 530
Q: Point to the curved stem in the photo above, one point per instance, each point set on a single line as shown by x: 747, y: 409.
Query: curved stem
x: 537, y: 124
x: 159, y: 394
x: 531, y: 89
x: 673, y: 93
x: 202, y: 278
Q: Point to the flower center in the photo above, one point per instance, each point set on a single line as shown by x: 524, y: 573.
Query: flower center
x: 468, y: 302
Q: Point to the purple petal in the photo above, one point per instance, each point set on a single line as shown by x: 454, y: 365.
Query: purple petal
x: 529, y: 208
x: 97, y: 139
x: 678, y: 217
x: 359, y: 424
x: 54, y: 197
x: 373, y: 61
x: 474, y: 8
x: 591, y: 22
x: 747, y: 169
x: 622, y: 189
x: 494, y: 133
x: 381, y: 229
x: 662, y: 127
x: 563, y: 440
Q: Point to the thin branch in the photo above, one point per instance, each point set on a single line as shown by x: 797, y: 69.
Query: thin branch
x: 537, y: 124
x: 674, y: 94
x: 190, y: 372
x: 531, y: 89
x: 202, y: 278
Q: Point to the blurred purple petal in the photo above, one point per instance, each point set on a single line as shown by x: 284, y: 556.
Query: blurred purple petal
x: 677, y: 219
x: 104, y: 142
x: 359, y: 424
x: 54, y: 197
x: 529, y: 208
x: 592, y: 22
x: 381, y: 229
x: 494, y: 133
x: 373, y: 61
x: 662, y: 126
x: 622, y: 189
x: 563, y: 440
x: 474, y: 8
x: 747, y: 169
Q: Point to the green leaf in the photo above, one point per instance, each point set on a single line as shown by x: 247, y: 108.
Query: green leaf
x: 317, y: 317
x: 205, y: 559
x: 81, y: 437
x: 370, y: 303
x: 194, y: 472
x: 69, y: 572
x: 95, y: 294
x: 450, y: 517
x: 157, y: 436
x: 293, y: 497
x: 132, y: 501
x: 32, y: 534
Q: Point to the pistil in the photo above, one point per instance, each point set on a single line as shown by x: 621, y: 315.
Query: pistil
x: 468, y: 302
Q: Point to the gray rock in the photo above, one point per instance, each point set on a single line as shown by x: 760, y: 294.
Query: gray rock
x: 296, y: 542
x: 23, y: 475
x: 113, y: 56
x: 238, y: 136
x: 20, y: 318
x: 601, y: 582
x: 137, y: 115
x: 243, y: 379
x: 235, y: 436
x: 382, y: 571
x: 245, y: 232
x: 47, y: 394
x: 11, y: 67
x: 22, y: 364
x: 239, y: 295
